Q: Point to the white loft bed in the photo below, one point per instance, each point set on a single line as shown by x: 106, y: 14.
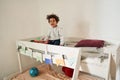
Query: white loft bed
x: 101, y: 69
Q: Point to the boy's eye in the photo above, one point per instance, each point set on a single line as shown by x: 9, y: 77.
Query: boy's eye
x: 52, y: 20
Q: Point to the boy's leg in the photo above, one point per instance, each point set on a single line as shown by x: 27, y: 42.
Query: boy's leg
x: 57, y: 42
x: 50, y: 42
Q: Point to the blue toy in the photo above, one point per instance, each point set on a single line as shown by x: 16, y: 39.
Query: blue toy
x: 33, y: 71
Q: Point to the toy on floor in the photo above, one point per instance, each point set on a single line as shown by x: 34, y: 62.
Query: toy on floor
x: 33, y: 72
x: 67, y: 71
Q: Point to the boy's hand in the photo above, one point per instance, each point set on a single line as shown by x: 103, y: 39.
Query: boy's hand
x: 41, y: 41
x: 46, y: 42
x: 37, y: 41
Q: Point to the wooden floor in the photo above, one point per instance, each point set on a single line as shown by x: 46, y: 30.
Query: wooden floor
x: 46, y: 73
x: 85, y: 76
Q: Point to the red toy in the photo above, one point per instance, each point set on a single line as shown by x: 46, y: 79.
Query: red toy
x: 68, y: 71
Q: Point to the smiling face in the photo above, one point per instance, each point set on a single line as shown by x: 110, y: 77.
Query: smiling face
x: 53, y: 22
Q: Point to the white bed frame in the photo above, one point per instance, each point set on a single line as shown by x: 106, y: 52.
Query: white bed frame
x: 96, y: 70
x: 66, y: 50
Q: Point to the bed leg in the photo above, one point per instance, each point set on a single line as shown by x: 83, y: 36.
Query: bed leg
x: 77, y: 66
x: 108, y: 76
x: 19, y: 61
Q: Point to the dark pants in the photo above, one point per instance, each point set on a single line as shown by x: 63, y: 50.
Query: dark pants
x: 54, y: 42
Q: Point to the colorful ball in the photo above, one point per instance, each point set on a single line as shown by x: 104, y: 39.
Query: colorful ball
x: 33, y: 71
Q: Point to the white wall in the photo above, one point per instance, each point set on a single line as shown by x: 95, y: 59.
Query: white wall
x: 75, y: 15
x: 84, y: 18
x: 19, y: 19
x: 107, y: 23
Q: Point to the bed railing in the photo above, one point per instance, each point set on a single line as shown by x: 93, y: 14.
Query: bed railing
x: 72, y: 54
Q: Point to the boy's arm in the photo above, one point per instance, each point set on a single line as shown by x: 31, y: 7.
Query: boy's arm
x: 47, y: 36
x: 61, y: 36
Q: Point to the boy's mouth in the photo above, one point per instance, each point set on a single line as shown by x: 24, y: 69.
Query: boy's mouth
x: 52, y: 25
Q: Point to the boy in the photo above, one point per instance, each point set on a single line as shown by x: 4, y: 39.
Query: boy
x: 55, y: 34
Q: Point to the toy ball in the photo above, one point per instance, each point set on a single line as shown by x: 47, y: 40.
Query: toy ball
x: 33, y: 71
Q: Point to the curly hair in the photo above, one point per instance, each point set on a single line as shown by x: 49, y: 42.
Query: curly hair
x: 53, y: 16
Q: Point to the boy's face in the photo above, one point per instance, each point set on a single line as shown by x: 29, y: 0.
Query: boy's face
x: 53, y: 22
